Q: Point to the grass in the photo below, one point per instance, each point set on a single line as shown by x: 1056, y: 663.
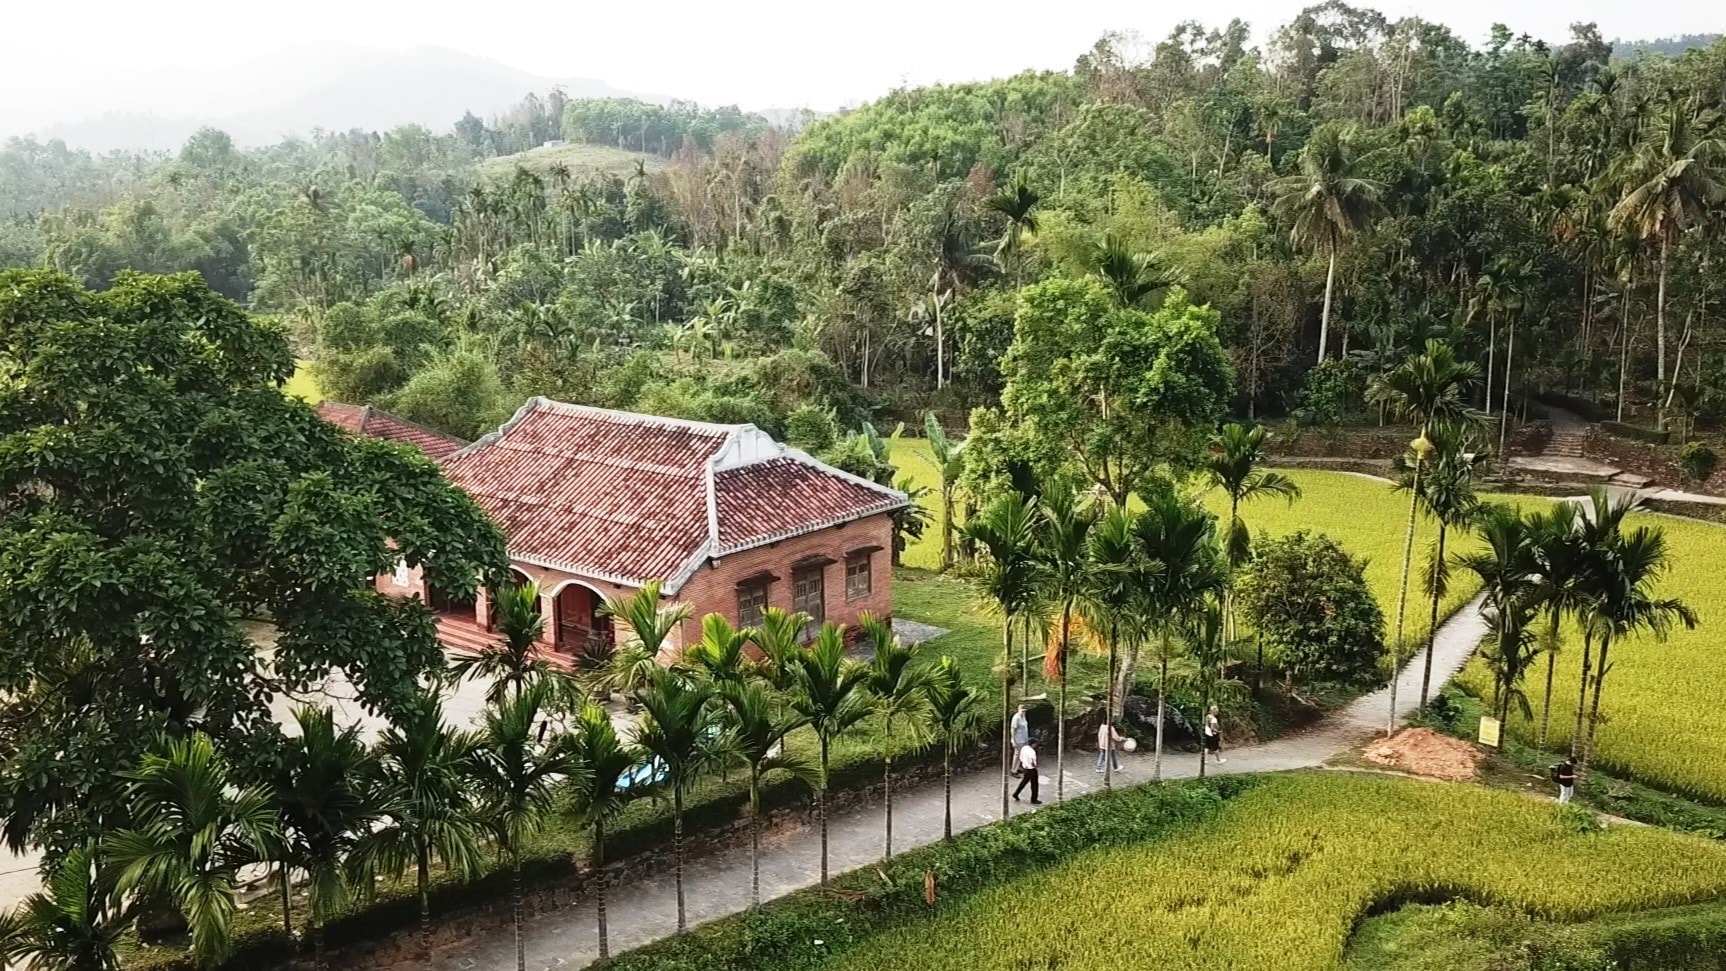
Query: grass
x: 1463, y: 936
x: 578, y: 157
x: 1281, y: 876
x: 1663, y: 703
x: 302, y: 385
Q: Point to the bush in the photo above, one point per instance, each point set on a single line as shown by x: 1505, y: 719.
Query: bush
x: 811, y: 428
x: 1332, y: 390
x: 1698, y: 460
x: 1309, y: 599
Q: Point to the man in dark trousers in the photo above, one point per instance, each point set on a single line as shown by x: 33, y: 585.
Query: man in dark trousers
x: 1564, y: 773
x: 1027, y: 774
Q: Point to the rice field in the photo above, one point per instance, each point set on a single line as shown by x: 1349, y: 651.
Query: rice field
x: 1664, y: 703
x: 1281, y: 876
x: 302, y: 385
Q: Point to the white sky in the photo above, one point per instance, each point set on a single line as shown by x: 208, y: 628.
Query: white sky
x: 756, y: 53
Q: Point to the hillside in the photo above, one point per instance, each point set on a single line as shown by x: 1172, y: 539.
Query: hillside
x: 579, y: 158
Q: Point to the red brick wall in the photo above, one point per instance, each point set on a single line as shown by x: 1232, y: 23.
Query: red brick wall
x: 415, y: 587
x: 713, y: 589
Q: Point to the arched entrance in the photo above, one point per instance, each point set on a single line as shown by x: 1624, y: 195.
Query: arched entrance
x: 578, y: 627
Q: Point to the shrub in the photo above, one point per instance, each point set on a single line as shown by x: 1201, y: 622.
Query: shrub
x: 811, y: 428
x: 1309, y: 599
x: 1698, y: 460
x: 1332, y: 390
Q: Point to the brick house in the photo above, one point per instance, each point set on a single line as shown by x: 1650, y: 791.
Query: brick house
x: 596, y: 503
x: 375, y: 423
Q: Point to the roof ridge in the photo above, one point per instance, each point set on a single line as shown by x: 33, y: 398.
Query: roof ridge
x: 622, y: 417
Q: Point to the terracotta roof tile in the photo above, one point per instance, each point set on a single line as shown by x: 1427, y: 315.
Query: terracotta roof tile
x: 625, y: 497
x: 372, y: 423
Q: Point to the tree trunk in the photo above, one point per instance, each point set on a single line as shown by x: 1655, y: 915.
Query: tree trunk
x: 1324, y: 315
x: 1660, y: 334
x: 1162, y: 695
x: 317, y: 943
x: 1402, y: 596
x: 947, y: 795
x: 285, y: 883
x: 940, y: 344
x: 1006, y: 717
x: 1109, y: 715
x: 677, y: 851
x: 1432, y: 635
x: 821, y: 808
x: 1491, y: 356
x: 516, y: 901
x: 1582, y: 766
x: 1582, y: 694
x: 424, y: 886
x: 946, y: 524
x: 755, y: 837
x: 887, y: 792
x: 1504, y: 419
x: 1061, y: 709
x: 1623, y: 348
x: 1551, y: 670
x: 599, y: 890
x: 1124, y: 681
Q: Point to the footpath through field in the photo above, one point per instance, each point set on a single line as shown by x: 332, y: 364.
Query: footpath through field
x: 645, y: 910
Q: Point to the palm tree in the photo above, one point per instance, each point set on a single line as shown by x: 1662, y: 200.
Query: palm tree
x: 950, y: 463
x: 419, y: 779
x: 649, y: 625
x: 897, y: 682
x: 515, y: 661
x: 719, y: 656
x: 1562, y: 575
x: 760, y: 719
x: 597, y: 795
x: 832, y: 694
x: 1181, y: 539
x: 1328, y: 202
x: 1132, y: 278
x: 515, y: 772
x: 1427, y: 389
x: 324, y: 809
x: 1234, y: 465
x: 1019, y: 205
x: 1447, y: 495
x: 779, y: 638
x: 955, y: 709
x: 1672, y: 178
x: 194, y: 828
x: 1210, y: 652
x: 958, y: 264
x: 1064, y: 574
x: 79, y: 921
x: 1626, y: 605
x: 1111, y: 607
x: 681, y: 729
x: 1006, y: 530
x: 1507, y: 569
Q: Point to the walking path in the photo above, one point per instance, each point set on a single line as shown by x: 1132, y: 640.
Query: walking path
x: 718, y: 885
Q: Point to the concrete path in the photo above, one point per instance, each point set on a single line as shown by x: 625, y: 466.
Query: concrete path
x: 718, y: 885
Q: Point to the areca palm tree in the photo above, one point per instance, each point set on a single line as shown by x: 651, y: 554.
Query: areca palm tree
x: 955, y: 709
x: 949, y: 463
x: 515, y: 661
x: 1328, y: 201
x: 419, y: 779
x: 1672, y: 179
x: 1118, y: 573
x: 515, y: 772
x: 78, y: 921
x: 1447, y: 494
x: 597, y: 796
x: 958, y: 264
x: 682, y: 730
x: 325, y: 808
x: 1064, y: 574
x: 1132, y: 277
x: 832, y: 694
x: 759, y: 719
x: 194, y: 828
x: 1599, y: 529
x: 1006, y: 532
x: 1180, y: 538
x: 1507, y: 569
x: 779, y: 638
x: 897, y: 681
x: 1019, y: 205
x: 1233, y: 464
x: 719, y: 656
x: 649, y: 624
x: 1562, y: 575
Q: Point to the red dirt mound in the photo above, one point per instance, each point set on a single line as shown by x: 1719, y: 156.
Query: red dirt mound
x: 1423, y: 751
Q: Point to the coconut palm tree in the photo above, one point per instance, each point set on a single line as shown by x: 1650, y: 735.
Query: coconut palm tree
x: 1447, y: 494
x: 681, y: 729
x: 513, y: 662
x: 955, y: 711
x: 1672, y: 179
x: 897, y: 682
x: 950, y: 464
x: 597, y: 796
x: 1329, y: 201
x: 1019, y: 205
x: 515, y: 772
x: 759, y: 719
x: 831, y: 693
x: 325, y: 807
x: 78, y: 921
x: 1626, y: 606
x: 1064, y: 577
x: 649, y: 625
x: 194, y: 828
x: 1180, y: 538
x: 1006, y: 532
x: 419, y: 779
x: 1234, y: 464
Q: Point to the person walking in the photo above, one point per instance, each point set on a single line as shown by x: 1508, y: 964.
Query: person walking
x: 1108, y: 740
x: 1021, y: 731
x: 1214, y: 736
x: 1027, y: 774
x: 1564, y: 773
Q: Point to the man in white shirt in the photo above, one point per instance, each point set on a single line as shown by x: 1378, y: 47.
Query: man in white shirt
x: 1027, y: 773
x: 1021, y: 725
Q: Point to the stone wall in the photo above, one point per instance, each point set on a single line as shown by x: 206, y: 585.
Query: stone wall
x: 1657, y: 462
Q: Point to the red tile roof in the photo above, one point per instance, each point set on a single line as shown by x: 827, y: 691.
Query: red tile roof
x: 372, y: 423
x: 629, y: 498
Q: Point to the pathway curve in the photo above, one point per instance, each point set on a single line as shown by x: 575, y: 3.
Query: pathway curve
x: 718, y: 885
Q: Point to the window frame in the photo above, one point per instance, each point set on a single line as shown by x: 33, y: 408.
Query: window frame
x: 867, y: 563
x: 745, y: 594
x: 817, y: 617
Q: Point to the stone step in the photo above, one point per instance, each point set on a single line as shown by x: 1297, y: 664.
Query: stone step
x: 1631, y: 480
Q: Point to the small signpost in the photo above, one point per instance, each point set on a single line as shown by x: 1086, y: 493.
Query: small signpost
x: 1490, y: 730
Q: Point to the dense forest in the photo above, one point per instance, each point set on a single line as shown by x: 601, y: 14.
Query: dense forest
x: 1321, y: 204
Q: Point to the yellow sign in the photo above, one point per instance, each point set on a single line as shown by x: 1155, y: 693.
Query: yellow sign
x: 1489, y: 731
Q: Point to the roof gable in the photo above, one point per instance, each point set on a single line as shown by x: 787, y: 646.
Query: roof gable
x: 374, y: 423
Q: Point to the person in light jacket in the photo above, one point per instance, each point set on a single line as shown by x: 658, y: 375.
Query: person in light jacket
x: 1108, y: 746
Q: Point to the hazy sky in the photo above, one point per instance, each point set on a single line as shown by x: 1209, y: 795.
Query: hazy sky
x: 759, y: 53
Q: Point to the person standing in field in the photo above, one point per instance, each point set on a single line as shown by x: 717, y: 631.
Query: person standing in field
x: 1564, y: 773
x: 1107, y: 740
x: 1214, y: 736
x: 1027, y: 774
